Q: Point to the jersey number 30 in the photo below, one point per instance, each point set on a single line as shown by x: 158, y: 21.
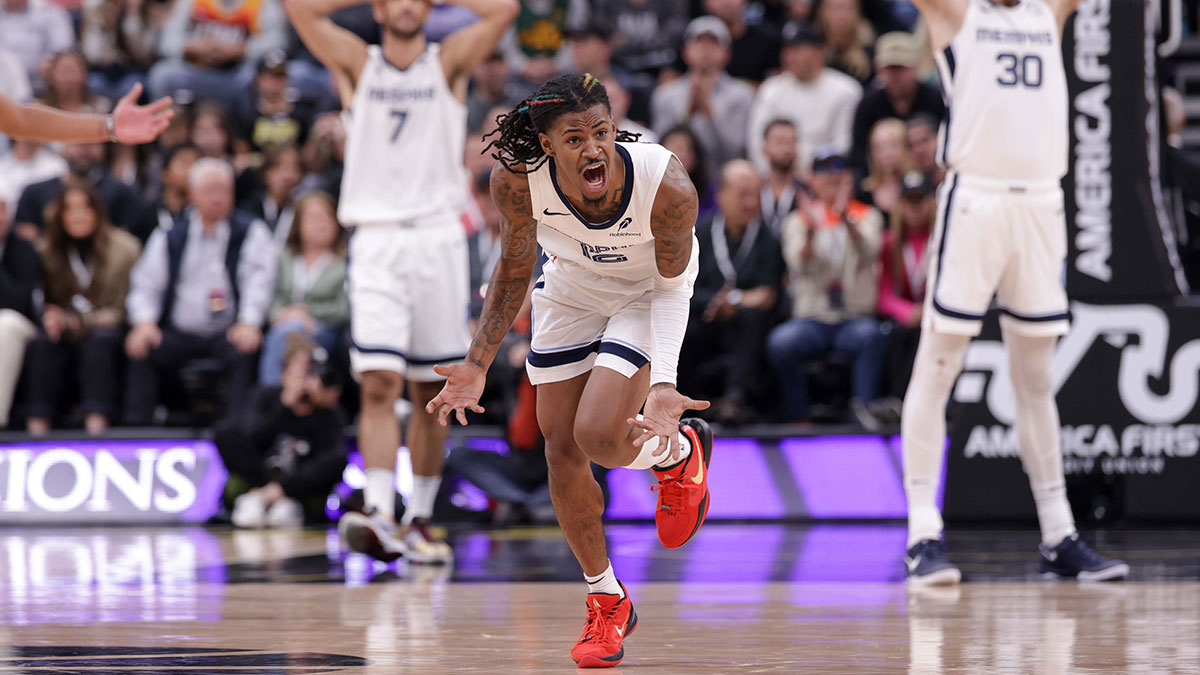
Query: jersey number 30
x: 1025, y: 70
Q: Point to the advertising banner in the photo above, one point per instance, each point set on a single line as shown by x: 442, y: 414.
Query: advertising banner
x: 150, y: 481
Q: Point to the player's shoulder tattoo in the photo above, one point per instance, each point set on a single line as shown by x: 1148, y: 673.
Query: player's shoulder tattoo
x: 518, y: 228
x: 675, y: 209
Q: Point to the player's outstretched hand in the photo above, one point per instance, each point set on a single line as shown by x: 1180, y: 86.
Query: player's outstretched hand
x: 664, y: 406
x: 135, y: 123
x: 464, y: 386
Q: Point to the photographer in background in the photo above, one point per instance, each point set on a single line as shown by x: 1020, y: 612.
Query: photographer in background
x: 288, y: 448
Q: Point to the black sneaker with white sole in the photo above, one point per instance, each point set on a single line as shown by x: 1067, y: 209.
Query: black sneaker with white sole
x: 1074, y: 559
x: 926, y: 565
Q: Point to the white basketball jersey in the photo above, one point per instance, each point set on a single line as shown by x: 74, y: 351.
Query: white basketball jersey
x: 404, y: 144
x: 1006, y: 94
x: 622, y: 248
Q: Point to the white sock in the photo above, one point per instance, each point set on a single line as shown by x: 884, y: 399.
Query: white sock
x: 647, y: 460
x: 379, y: 493
x: 425, y: 489
x: 605, y: 583
x: 923, y: 427
x: 1029, y: 366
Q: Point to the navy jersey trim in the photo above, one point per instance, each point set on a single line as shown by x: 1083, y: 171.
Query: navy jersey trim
x: 626, y: 195
x: 627, y: 353
x: 410, y: 360
x: 937, y: 306
x: 563, y: 357
x: 1038, y: 318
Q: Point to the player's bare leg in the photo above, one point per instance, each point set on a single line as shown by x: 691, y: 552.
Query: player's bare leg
x: 427, y: 448
x: 374, y: 532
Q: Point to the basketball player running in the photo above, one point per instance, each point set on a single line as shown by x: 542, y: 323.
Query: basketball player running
x: 402, y: 193
x: 615, y: 218
x: 1000, y: 231
x: 128, y: 123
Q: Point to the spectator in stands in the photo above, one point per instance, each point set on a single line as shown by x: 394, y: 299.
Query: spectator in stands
x: 779, y: 195
x: 212, y: 134
x: 14, y: 81
x: 275, y: 203
x: 324, y: 155
x: 714, y: 105
x: 848, y: 37
x: 619, y: 102
x: 646, y: 33
x: 683, y: 142
x: 85, y: 161
x: 35, y: 31
x: 754, y: 49
x: 517, y: 482
x: 310, y: 285
x: 67, y: 86
x: 831, y: 246
x: 118, y: 39
x: 20, y: 285
x: 211, y: 47
x: 87, y: 263
x: 921, y: 135
x: 169, y: 207
x: 534, y: 46
x: 898, y: 94
x: 490, y: 88
x: 287, y: 452
x: 200, y: 290
x: 887, y: 163
x: 592, y: 52
x: 738, y: 287
x: 904, y: 259
x: 272, y: 114
x: 818, y: 100
x: 28, y: 162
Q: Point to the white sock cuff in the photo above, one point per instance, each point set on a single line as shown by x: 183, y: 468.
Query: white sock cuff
x: 379, y: 492
x: 606, y: 582
x: 425, y: 489
x: 646, y: 459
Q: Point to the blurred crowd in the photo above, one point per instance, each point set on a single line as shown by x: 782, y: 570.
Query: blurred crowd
x: 808, y: 126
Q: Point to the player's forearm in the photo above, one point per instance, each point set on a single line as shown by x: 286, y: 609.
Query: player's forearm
x: 670, y: 303
x: 506, y: 293
x: 38, y: 123
x: 317, y: 8
x: 489, y: 9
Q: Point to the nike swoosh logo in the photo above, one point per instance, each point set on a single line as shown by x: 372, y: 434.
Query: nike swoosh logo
x: 913, y: 563
x: 699, y: 477
x: 547, y: 212
x: 620, y: 632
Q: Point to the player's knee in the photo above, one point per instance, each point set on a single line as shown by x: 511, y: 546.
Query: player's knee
x: 380, y: 389
x: 1033, y: 382
x: 562, y: 456
x: 598, y: 442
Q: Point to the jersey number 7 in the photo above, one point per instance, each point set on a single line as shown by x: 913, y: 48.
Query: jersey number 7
x: 400, y: 116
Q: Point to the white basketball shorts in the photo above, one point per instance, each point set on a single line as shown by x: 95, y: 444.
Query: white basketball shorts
x: 409, y: 291
x: 582, y: 320
x: 1002, y: 239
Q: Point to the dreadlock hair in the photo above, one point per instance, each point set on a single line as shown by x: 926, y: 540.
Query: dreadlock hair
x: 517, y: 143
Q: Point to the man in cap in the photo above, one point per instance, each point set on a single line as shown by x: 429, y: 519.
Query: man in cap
x: 707, y: 99
x: 831, y: 247
x: 898, y: 92
x: 818, y: 100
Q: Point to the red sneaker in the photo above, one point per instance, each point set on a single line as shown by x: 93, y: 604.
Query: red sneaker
x: 610, y: 619
x: 683, y: 489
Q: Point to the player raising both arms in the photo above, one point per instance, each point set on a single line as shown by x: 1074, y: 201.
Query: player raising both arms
x: 128, y: 123
x: 403, y: 190
x: 615, y: 218
x: 1000, y: 232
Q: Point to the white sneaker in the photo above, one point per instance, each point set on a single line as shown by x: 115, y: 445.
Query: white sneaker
x: 249, y: 511
x: 285, y: 513
x: 372, y: 534
x: 425, y: 547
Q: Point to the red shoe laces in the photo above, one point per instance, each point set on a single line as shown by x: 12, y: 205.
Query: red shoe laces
x: 674, y: 492
x: 600, y: 623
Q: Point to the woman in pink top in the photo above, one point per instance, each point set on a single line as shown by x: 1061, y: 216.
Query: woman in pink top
x: 905, y: 266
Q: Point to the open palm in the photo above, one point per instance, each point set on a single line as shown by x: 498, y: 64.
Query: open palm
x: 464, y: 386
x: 664, y: 407
x: 135, y: 123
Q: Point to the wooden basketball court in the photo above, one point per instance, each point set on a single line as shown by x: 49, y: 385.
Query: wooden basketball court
x: 192, y: 600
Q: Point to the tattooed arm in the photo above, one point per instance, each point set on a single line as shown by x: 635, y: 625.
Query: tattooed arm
x: 506, y: 293
x: 510, y: 279
x: 672, y: 222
